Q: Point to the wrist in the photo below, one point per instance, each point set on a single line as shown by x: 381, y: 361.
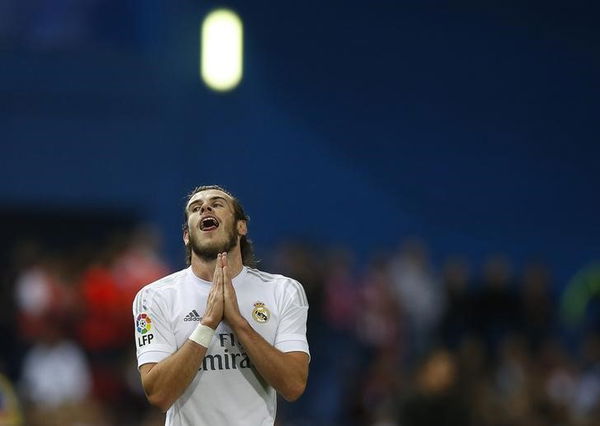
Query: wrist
x: 202, y: 335
x: 209, y: 323
x: 238, y: 324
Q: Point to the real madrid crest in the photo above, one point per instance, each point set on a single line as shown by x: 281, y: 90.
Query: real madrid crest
x: 260, y: 313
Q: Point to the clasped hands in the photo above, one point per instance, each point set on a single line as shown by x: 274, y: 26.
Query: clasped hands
x: 222, y: 301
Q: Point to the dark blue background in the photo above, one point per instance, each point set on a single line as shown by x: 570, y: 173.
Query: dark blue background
x: 472, y: 124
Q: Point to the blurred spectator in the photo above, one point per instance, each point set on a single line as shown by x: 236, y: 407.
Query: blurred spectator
x: 511, y: 378
x: 457, y: 319
x: 379, y: 329
x: 55, y: 372
x: 418, y: 292
x: 474, y: 382
x: 299, y: 261
x: 56, y: 380
x: 10, y: 410
x: 139, y: 262
x: 341, y: 292
x: 378, y: 393
x: 41, y: 293
x: 538, y: 322
x: 341, y: 312
x: 435, y: 400
x: 587, y: 395
x: 379, y: 323
x: 106, y: 321
x: 577, y: 308
x: 497, y: 306
x: 557, y: 381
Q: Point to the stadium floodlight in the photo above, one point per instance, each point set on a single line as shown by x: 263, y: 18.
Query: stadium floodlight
x: 221, y: 53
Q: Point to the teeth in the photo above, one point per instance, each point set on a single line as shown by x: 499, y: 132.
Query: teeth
x: 208, y: 222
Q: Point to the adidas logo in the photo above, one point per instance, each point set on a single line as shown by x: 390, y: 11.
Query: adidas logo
x: 192, y: 316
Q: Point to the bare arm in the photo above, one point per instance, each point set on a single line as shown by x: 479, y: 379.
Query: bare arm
x: 287, y: 372
x: 164, y: 382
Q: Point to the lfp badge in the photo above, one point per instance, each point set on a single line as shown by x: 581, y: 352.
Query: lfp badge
x: 143, y: 323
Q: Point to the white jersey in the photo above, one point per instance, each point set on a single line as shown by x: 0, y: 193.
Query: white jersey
x: 227, y: 390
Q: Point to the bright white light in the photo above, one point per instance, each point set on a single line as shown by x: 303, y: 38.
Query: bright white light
x: 221, y: 50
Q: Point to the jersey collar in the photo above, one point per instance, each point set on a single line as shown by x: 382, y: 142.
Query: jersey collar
x: 200, y: 281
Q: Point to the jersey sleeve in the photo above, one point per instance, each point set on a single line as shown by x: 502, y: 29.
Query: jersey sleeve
x: 291, y: 333
x: 154, y: 338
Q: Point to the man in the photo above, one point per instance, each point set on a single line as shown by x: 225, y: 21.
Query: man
x: 217, y: 340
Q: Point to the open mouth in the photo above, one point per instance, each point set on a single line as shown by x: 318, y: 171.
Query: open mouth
x: 209, y: 223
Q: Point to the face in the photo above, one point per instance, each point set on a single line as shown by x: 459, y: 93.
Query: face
x: 212, y: 227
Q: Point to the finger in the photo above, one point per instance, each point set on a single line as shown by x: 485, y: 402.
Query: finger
x: 224, y: 271
x: 228, y: 290
x: 223, y: 265
x: 220, y: 273
x: 226, y: 279
x: 225, y: 268
x: 217, y: 269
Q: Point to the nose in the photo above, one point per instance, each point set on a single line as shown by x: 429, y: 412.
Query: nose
x: 205, y: 208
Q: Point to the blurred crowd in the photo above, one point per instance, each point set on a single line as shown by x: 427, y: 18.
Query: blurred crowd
x: 395, y: 340
x: 404, y: 343
x: 71, y: 355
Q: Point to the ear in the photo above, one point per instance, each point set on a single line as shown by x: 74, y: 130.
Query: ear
x: 242, y: 227
x: 186, y: 237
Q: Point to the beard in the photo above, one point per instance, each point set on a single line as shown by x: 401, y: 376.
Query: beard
x: 209, y: 250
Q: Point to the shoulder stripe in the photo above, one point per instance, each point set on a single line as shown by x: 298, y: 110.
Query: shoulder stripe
x: 267, y: 277
x: 150, y: 292
x: 301, y: 292
x: 262, y: 275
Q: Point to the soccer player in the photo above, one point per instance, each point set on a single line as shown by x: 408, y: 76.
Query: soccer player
x: 217, y: 340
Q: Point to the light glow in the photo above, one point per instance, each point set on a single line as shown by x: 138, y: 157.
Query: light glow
x: 221, y: 53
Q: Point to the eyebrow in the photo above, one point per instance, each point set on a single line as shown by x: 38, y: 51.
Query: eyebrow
x: 214, y: 197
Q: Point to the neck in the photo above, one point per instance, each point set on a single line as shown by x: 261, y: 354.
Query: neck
x: 205, y: 269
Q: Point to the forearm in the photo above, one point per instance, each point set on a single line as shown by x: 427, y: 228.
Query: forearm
x: 287, y: 373
x: 166, y: 381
